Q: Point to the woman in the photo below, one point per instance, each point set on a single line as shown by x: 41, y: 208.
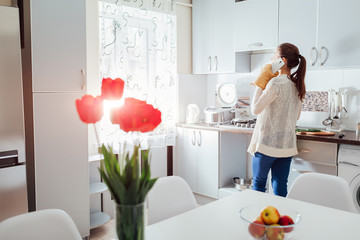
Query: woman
x: 278, y: 105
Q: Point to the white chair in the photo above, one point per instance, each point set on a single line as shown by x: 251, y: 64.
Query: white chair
x: 46, y: 224
x: 170, y: 196
x: 322, y: 189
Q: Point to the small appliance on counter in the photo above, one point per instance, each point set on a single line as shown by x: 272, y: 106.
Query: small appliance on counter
x: 225, y: 101
x: 218, y: 115
x: 192, y: 113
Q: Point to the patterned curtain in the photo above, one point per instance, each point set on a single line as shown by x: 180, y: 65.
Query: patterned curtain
x: 138, y: 45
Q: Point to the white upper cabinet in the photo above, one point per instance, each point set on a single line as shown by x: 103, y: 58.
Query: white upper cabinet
x: 213, y: 36
x: 256, y: 25
x: 339, y: 33
x: 327, y: 35
x: 58, y: 32
x: 300, y: 31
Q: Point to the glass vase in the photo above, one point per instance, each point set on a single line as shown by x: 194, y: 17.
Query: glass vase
x: 130, y: 221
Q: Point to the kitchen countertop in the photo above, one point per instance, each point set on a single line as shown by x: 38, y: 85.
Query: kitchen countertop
x: 349, y: 138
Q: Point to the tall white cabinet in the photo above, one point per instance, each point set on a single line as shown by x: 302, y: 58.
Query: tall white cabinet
x: 213, y: 36
x: 59, y: 78
x: 328, y: 36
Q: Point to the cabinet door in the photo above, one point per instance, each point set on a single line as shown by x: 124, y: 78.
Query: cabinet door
x: 187, y: 156
x: 223, y: 49
x: 202, y: 40
x: 61, y: 157
x: 339, y: 32
x: 300, y: 31
x: 58, y: 45
x: 207, y: 168
x: 256, y: 24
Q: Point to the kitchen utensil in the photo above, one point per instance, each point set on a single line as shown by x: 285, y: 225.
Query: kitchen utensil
x: 216, y: 115
x: 343, y: 105
x: 192, y: 113
x: 242, y: 183
x: 338, y: 103
x: 328, y: 120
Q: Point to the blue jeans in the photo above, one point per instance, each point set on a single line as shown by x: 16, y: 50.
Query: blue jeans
x: 280, y: 167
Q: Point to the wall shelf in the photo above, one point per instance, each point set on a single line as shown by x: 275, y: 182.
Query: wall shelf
x: 97, y: 219
x: 96, y: 157
x: 98, y: 187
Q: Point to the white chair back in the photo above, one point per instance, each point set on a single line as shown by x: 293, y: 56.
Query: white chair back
x: 170, y: 196
x: 53, y: 224
x: 322, y: 189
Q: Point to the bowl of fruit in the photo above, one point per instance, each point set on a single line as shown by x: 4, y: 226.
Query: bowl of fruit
x: 269, y: 222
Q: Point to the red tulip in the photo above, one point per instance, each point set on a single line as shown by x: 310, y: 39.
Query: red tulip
x: 112, y: 89
x: 89, y: 108
x: 136, y: 115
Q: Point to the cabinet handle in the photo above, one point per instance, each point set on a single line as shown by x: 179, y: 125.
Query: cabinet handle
x: 83, y: 79
x: 193, y: 140
x: 327, y: 55
x: 257, y: 44
x: 216, y: 63
x: 350, y: 164
x: 209, y: 64
x: 300, y: 171
x: 199, y: 140
x: 316, y: 56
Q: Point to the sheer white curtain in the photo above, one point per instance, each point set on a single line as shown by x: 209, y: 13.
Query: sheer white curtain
x: 138, y: 45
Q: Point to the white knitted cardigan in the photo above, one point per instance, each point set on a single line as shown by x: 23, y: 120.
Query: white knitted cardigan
x: 278, y: 107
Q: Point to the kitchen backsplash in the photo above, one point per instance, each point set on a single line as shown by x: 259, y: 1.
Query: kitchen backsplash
x: 316, y: 101
x: 318, y: 82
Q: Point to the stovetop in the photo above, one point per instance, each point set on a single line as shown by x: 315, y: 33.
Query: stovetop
x: 239, y: 124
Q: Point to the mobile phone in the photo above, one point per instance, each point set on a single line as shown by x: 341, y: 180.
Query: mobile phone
x: 276, y: 65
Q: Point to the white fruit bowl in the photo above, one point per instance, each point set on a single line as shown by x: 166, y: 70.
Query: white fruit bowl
x: 267, y: 232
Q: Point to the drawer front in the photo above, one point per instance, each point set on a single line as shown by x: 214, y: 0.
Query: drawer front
x: 299, y: 167
x: 317, y: 152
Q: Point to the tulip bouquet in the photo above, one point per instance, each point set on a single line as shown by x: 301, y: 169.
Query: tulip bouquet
x: 128, y: 183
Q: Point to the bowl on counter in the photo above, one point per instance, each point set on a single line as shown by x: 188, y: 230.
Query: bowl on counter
x: 256, y: 228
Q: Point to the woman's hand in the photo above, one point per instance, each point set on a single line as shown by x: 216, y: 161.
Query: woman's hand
x: 265, y: 76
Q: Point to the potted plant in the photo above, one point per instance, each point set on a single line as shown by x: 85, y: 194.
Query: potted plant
x: 127, y: 177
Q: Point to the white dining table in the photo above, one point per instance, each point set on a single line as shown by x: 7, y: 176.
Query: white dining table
x: 221, y: 220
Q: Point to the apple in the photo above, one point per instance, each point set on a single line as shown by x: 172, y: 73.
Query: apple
x: 284, y: 221
x: 270, y: 215
x: 257, y: 228
x: 274, y: 233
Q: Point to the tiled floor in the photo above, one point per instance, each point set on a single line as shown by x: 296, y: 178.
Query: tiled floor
x: 104, y: 232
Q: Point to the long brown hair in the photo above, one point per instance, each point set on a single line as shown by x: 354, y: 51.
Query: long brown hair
x: 291, y: 53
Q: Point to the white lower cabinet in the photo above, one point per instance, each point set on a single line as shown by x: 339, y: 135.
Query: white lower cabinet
x: 198, y: 160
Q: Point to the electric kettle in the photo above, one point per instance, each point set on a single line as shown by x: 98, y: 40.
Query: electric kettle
x: 192, y: 113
